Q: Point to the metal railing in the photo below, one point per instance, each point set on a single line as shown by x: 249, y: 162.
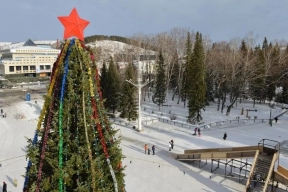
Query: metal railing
x: 272, y: 144
x: 210, y: 125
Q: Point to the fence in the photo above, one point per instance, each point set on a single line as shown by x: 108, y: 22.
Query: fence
x: 192, y: 126
x: 125, y: 123
x: 210, y: 125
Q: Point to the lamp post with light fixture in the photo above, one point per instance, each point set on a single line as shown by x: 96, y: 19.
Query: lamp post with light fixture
x: 139, y: 86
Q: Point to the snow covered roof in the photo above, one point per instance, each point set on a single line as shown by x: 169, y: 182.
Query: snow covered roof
x: 10, y: 45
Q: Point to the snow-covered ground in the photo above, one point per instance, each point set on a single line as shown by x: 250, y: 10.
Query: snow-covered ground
x: 160, y: 172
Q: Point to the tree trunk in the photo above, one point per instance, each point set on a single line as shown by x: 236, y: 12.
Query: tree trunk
x: 145, y: 93
x: 223, y: 102
x: 254, y: 102
x: 175, y: 91
x: 231, y: 105
x: 185, y: 100
x: 179, y: 97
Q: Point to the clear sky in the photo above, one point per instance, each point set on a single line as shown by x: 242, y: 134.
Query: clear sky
x: 219, y: 19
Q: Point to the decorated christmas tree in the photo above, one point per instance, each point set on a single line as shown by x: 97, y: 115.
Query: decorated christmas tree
x: 74, y: 147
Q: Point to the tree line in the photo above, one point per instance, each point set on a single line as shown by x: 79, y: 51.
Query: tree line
x: 198, y: 72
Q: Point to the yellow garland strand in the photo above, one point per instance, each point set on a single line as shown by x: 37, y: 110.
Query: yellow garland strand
x: 90, y: 82
x: 51, y: 86
x: 86, y: 133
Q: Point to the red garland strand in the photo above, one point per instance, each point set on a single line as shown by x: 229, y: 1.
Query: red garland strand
x: 100, y: 95
x: 45, y: 142
x: 95, y: 115
x: 99, y: 128
x: 47, y: 128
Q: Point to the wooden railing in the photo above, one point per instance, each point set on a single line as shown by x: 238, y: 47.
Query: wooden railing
x: 271, y: 170
x: 252, y: 170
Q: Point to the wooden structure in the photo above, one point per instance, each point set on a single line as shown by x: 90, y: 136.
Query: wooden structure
x: 265, y: 154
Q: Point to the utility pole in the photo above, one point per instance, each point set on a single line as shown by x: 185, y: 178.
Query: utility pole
x: 139, y: 86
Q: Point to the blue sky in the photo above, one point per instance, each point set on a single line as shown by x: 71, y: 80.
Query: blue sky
x: 218, y: 19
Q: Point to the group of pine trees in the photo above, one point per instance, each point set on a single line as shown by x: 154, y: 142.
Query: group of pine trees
x: 119, y: 95
x: 203, y: 75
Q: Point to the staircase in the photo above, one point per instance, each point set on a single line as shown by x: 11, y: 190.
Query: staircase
x: 263, y: 165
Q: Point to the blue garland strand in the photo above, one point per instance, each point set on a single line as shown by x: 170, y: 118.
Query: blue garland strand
x: 34, y: 142
x: 60, y: 113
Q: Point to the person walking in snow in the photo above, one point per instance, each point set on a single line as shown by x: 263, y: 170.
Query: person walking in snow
x: 149, y: 151
x: 4, y: 188
x: 169, y: 146
x: 145, y: 148
x: 199, y: 132
x: 172, y: 143
x: 225, y: 136
x: 276, y: 119
x: 153, y: 149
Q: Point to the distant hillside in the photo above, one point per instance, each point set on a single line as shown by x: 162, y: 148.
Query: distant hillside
x: 93, y: 38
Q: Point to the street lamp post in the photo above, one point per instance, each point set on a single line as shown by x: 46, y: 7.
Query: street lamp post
x: 139, y: 86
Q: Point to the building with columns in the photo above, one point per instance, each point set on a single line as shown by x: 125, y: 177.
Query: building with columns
x: 28, y: 60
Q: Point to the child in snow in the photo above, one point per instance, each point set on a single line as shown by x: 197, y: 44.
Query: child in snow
x: 145, y: 148
x: 225, y: 136
x: 148, y: 151
x: 199, y: 132
x: 169, y: 146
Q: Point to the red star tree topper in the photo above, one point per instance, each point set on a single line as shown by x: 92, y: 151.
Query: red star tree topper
x: 74, y: 25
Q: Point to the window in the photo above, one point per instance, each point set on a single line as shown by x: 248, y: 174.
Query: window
x: 25, y: 67
x: 41, y: 67
x: 32, y: 67
x: 11, y: 68
x: 18, y: 68
x: 47, y: 67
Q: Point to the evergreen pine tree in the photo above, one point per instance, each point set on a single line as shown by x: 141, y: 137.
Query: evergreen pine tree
x: 209, y: 87
x: 196, y: 81
x: 257, y: 85
x: 112, y: 101
x: 188, y: 60
x: 283, y: 96
x: 128, y: 104
x: 265, y: 44
x: 160, y: 89
x: 284, y: 93
x: 77, y: 150
x: 103, y: 82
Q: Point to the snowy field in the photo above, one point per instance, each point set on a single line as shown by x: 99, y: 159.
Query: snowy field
x: 144, y: 173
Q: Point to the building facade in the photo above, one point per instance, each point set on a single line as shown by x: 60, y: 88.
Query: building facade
x: 28, y: 60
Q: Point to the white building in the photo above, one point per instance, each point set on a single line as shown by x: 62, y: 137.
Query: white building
x: 28, y: 60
